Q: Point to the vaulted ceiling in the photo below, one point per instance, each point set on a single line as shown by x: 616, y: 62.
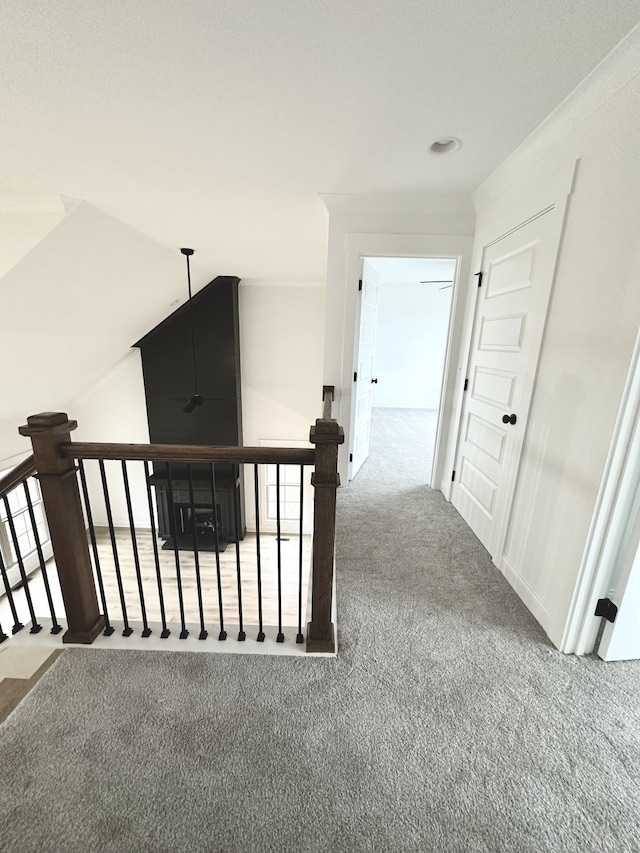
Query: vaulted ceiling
x: 216, y: 124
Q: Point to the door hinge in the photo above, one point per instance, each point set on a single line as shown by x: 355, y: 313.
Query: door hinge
x: 351, y: 457
x: 479, y: 275
x: 360, y: 284
x: 453, y: 476
x: 355, y: 376
x: 605, y: 607
x: 466, y: 384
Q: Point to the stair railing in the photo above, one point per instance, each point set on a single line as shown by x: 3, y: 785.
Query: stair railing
x: 55, y: 456
x: 17, y: 500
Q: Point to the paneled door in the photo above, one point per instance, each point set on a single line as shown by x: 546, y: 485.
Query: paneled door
x: 363, y: 377
x: 511, y: 309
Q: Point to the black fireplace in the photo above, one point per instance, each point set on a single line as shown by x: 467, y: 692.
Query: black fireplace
x: 168, y: 381
x: 178, y: 516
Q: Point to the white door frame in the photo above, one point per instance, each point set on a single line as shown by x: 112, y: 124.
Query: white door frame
x: 356, y: 366
x: 609, y: 525
x: 359, y: 246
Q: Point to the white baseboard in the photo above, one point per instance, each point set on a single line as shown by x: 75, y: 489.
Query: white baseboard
x: 445, y: 488
x: 526, y: 593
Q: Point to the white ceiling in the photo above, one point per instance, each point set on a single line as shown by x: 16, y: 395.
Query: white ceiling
x: 216, y: 124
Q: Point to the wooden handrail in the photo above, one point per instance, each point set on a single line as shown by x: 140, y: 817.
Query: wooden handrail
x: 188, y: 453
x: 17, y: 475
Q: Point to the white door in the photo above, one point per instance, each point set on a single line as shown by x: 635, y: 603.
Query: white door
x: 363, y: 375
x: 510, y: 315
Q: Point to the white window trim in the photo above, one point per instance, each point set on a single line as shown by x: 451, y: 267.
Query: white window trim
x: 267, y: 525
x: 31, y: 561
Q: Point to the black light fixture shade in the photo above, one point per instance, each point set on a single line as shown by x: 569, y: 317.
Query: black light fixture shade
x: 196, y: 399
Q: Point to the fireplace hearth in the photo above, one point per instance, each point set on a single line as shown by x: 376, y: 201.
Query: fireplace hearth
x: 202, y: 518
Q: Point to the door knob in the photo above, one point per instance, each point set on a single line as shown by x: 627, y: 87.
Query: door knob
x: 509, y: 419
x: 374, y: 381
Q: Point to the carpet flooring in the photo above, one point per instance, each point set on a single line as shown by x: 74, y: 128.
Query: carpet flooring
x: 446, y: 723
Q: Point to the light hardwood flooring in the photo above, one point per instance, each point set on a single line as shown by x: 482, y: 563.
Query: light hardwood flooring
x: 20, y: 670
x: 289, y: 552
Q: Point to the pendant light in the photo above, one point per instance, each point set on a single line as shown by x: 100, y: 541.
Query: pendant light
x: 196, y: 399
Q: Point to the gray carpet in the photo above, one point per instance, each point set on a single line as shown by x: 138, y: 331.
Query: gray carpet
x: 447, y: 723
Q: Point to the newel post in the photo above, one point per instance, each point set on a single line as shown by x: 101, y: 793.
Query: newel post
x: 61, y: 497
x: 327, y: 435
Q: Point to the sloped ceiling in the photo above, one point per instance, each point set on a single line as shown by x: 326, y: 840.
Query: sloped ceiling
x: 65, y: 324
x: 216, y: 124
x: 24, y: 221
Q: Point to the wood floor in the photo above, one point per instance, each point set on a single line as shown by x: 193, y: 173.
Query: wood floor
x: 13, y: 689
x: 289, y: 553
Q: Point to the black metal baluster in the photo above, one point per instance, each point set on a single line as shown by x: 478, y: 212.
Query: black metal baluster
x: 146, y: 630
x: 128, y: 630
x: 35, y: 627
x: 299, y: 636
x: 154, y: 541
x: 236, y: 517
x: 280, y: 637
x: 258, y: 556
x: 174, y: 536
x: 17, y: 624
x: 223, y: 634
x: 203, y: 632
x: 3, y: 636
x: 108, y: 627
x: 56, y: 627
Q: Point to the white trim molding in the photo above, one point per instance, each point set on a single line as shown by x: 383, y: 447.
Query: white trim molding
x: 610, y: 519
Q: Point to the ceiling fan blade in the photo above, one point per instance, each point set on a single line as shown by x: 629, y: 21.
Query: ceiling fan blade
x: 446, y: 287
x: 436, y: 281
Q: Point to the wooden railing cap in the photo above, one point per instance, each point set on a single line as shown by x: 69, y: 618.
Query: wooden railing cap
x: 326, y: 432
x: 54, y: 421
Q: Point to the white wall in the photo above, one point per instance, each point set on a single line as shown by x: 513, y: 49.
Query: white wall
x: 593, y: 321
x: 114, y: 410
x: 413, y: 321
x: 281, y: 336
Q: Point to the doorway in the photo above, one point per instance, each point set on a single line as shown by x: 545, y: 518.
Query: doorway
x: 401, y: 350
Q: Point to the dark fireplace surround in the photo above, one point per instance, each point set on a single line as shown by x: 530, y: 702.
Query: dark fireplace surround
x: 168, y: 381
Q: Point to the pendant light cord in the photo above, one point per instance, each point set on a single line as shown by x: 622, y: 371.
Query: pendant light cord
x: 193, y: 339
